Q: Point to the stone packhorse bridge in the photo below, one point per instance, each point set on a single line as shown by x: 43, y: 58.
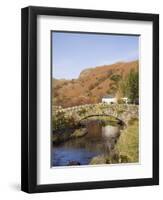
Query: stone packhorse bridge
x: 63, y: 117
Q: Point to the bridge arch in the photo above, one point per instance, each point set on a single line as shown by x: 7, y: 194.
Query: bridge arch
x: 119, y: 121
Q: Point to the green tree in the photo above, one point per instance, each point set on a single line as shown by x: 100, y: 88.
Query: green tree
x: 121, y: 89
x: 116, y: 77
x: 132, y: 86
x: 114, y: 86
x: 125, y: 86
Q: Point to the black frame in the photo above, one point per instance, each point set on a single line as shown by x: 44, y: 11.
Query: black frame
x: 29, y: 99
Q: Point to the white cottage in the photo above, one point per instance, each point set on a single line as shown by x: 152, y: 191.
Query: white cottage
x: 109, y: 99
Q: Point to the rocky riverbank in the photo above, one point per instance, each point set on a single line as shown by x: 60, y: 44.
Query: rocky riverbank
x: 63, y: 135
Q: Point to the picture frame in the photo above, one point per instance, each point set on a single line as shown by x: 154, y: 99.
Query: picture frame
x: 29, y: 98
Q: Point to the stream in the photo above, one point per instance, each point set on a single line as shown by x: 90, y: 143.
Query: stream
x: 99, y: 140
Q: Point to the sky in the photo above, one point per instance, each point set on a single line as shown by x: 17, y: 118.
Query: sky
x: 74, y: 52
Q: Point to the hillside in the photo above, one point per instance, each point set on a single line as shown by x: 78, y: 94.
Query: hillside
x: 91, y: 85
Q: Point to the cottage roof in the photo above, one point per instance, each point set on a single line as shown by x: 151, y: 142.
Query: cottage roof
x: 108, y: 96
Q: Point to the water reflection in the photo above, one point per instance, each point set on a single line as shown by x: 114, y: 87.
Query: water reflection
x: 99, y: 140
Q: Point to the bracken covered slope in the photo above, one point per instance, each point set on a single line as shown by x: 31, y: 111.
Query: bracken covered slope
x: 91, y: 85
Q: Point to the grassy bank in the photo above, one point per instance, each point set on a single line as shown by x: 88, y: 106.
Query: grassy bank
x: 128, y: 143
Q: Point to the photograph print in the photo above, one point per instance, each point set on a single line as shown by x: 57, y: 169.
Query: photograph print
x: 94, y: 99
